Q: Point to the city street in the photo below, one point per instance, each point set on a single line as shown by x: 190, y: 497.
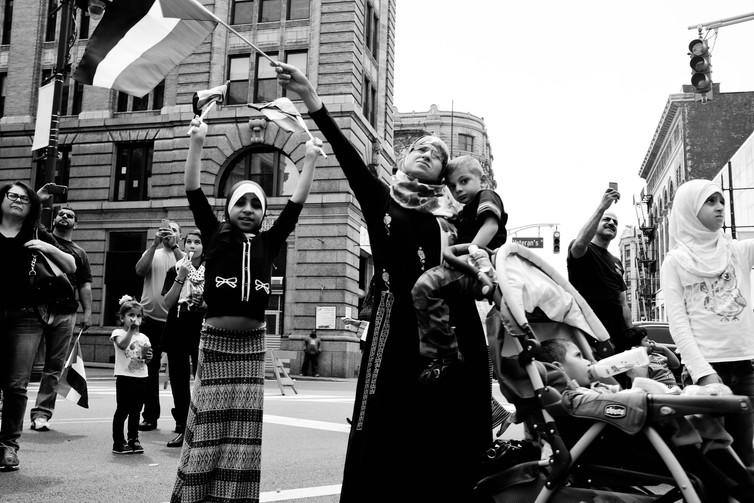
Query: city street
x: 303, y: 449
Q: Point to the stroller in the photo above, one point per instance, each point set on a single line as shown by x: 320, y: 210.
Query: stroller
x: 566, y: 472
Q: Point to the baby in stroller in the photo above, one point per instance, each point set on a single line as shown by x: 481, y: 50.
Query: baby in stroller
x: 584, y: 459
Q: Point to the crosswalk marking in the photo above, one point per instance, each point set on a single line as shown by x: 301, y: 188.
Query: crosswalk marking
x: 304, y: 492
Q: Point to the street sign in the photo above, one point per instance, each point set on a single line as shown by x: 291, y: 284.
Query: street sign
x: 529, y: 242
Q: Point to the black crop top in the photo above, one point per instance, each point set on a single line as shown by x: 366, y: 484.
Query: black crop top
x: 237, y: 270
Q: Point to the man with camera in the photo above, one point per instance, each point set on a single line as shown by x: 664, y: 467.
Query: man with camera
x: 597, y: 274
x: 56, y: 351
x: 153, y: 265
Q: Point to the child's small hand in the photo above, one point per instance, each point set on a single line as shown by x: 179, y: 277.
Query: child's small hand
x: 197, y: 130
x: 314, y: 149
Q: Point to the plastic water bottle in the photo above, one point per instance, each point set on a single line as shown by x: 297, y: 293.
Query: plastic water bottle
x: 481, y: 261
x: 621, y: 362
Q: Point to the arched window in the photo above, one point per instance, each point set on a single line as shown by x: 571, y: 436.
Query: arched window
x: 267, y: 166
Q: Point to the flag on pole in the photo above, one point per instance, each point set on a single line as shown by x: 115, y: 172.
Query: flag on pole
x: 187, y: 9
x: 283, y: 113
x: 72, y: 383
x: 135, y: 46
x: 206, y: 96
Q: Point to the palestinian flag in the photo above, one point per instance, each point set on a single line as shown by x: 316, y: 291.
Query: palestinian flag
x: 204, y: 97
x: 72, y: 383
x: 135, y: 46
x: 283, y: 113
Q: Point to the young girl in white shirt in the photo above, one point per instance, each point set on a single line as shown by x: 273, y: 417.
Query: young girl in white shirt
x: 706, y: 284
x: 132, y: 353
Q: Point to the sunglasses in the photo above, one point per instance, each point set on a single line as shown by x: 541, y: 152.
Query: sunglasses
x: 12, y: 196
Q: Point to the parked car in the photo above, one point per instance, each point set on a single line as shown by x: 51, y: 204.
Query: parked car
x: 658, y: 331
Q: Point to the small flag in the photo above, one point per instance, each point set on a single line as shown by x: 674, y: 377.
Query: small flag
x: 135, y: 46
x: 283, y: 113
x: 72, y: 383
x: 206, y: 96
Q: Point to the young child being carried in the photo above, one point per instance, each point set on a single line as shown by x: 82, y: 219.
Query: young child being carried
x: 132, y: 353
x: 481, y: 222
x: 662, y: 361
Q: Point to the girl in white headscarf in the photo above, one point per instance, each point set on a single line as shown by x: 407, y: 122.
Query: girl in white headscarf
x: 706, y: 284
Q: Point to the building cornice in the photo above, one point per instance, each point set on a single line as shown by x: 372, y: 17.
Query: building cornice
x: 658, y: 140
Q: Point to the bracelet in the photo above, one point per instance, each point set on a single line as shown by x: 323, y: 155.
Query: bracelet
x: 180, y: 282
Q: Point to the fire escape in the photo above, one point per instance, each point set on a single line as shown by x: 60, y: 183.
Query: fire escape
x: 647, y: 276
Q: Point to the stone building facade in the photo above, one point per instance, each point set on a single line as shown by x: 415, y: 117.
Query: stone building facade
x: 122, y: 157
x: 692, y: 140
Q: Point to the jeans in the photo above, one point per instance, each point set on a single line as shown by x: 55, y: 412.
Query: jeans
x: 739, y: 377
x: 22, y: 333
x: 57, y: 345
x: 182, y: 345
x: 129, y: 396
x: 154, y: 330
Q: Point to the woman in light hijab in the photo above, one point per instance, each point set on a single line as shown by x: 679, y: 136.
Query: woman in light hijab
x: 705, y: 281
x: 425, y: 442
x: 222, y: 448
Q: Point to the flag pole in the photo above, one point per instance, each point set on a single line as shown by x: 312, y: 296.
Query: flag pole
x: 230, y: 28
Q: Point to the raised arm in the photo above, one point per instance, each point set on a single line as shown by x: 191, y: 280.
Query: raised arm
x: 192, y: 174
x: 313, y: 153
x: 144, y: 264
x: 585, y: 235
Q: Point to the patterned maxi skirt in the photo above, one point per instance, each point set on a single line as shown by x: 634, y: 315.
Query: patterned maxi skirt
x: 222, y: 451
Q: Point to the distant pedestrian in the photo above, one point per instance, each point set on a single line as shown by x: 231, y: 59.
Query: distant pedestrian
x: 312, y: 349
x: 132, y: 354
x: 184, y: 297
x: 56, y: 347
x: 153, y: 265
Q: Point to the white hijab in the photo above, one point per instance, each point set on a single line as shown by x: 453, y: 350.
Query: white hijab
x: 698, y: 250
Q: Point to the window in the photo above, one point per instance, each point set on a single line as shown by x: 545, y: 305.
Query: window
x: 371, y: 29
x: 133, y: 169
x: 242, y: 12
x: 62, y: 171
x: 78, y: 97
x: 7, y: 21
x: 267, y: 166
x: 299, y: 59
x: 151, y: 101
x: 298, y: 9
x: 3, y: 79
x: 124, y: 250
x: 52, y: 20
x: 270, y: 10
x: 84, y: 25
x: 368, y: 105
x: 265, y: 80
x: 238, y: 75
x: 466, y: 142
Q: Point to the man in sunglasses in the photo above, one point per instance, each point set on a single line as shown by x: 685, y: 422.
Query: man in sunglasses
x: 597, y: 274
x: 56, y: 351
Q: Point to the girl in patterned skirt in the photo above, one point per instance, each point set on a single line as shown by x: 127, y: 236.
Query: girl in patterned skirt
x: 222, y: 449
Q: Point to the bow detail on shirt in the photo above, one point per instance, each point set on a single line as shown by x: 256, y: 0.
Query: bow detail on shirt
x: 220, y: 281
x: 258, y: 285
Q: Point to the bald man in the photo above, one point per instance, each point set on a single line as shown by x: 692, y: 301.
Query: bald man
x: 597, y: 274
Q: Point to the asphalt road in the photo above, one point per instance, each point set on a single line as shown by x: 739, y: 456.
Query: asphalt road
x: 303, y: 449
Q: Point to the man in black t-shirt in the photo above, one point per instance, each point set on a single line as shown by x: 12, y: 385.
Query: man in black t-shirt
x: 597, y: 274
x: 57, y: 344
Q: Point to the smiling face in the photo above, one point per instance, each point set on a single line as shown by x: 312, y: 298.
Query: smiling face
x: 712, y: 214
x: 247, y: 213
x: 464, y: 183
x: 607, y: 229
x: 426, y: 160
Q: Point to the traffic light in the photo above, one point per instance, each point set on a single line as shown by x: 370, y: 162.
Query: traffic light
x: 701, y: 66
x: 556, y: 242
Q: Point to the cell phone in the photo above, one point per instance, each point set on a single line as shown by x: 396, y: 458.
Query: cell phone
x: 53, y: 188
x: 613, y: 185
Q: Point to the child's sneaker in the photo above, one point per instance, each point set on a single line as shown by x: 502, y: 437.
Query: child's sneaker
x: 135, y: 446
x: 121, y: 448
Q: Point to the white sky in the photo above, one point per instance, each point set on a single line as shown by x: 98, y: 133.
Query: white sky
x: 571, y: 92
